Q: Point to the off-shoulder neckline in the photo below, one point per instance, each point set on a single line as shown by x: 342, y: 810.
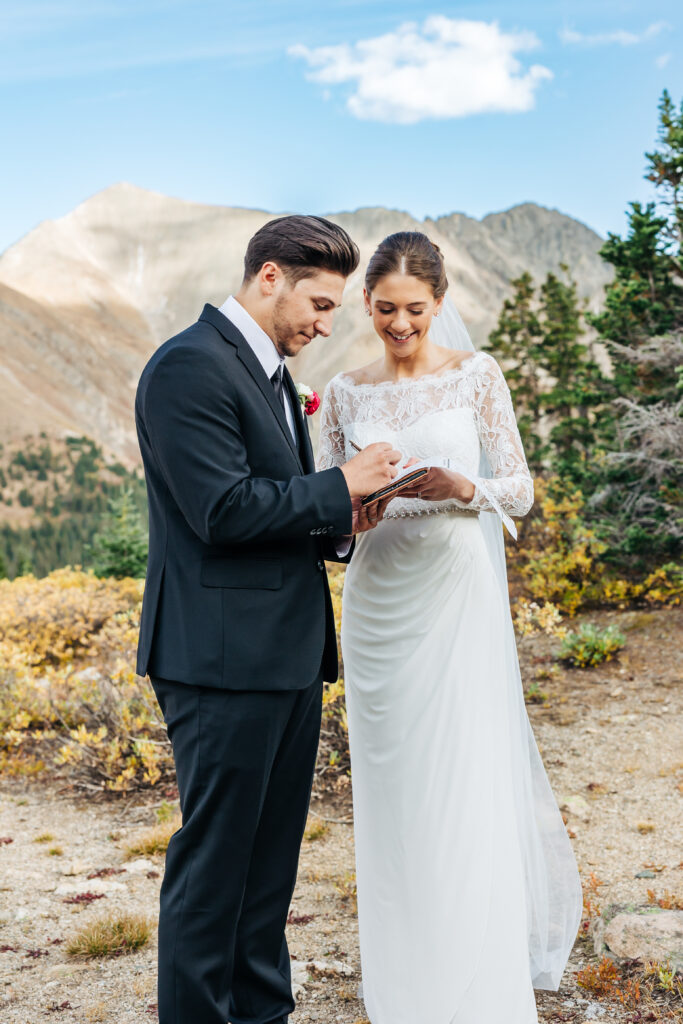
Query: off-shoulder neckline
x: 345, y: 378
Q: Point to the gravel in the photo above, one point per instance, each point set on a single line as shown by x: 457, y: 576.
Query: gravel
x: 612, y: 735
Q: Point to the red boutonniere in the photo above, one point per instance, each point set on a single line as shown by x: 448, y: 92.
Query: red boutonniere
x: 309, y: 399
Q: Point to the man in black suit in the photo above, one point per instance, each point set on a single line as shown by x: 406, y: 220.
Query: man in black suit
x: 237, y: 632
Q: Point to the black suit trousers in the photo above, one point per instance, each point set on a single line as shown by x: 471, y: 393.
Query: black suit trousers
x: 244, y: 763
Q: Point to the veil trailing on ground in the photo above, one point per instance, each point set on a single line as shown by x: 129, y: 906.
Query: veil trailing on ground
x: 553, y: 888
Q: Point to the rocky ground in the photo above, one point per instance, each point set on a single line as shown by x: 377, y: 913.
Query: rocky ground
x: 612, y: 742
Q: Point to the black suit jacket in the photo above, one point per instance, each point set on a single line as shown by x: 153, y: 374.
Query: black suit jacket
x: 236, y: 594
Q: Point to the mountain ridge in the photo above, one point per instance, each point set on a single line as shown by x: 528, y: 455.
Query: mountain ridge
x: 85, y: 299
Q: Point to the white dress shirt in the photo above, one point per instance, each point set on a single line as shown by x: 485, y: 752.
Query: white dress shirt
x: 261, y: 345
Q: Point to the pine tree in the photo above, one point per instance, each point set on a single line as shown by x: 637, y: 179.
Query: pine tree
x: 516, y: 342
x: 554, y: 381
x: 575, y: 377
x: 120, y: 548
x: 637, y: 506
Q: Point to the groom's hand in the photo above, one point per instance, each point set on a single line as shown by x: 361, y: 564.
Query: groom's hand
x: 366, y: 517
x: 371, y: 469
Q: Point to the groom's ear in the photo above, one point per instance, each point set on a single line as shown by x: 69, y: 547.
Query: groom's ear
x: 271, y: 278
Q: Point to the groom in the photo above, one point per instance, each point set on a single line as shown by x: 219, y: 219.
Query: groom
x: 237, y: 632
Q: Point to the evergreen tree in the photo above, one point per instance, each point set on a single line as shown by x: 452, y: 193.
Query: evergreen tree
x: 554, y: 381
x: 637, y: 506
x: 574, y: 380
x: 24, y: 564
x: 120, y: 549
x: 516, y: 342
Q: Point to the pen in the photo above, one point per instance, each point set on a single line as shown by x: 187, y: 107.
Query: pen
x: 354, y: 445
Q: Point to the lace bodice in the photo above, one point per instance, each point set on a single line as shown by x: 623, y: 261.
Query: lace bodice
x: 458, y: 413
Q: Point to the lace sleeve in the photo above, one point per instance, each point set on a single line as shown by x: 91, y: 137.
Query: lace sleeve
x: 511, y: 486
x: 331, y: 444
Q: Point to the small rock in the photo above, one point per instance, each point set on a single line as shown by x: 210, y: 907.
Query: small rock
x: 645, y: 874
x: 66, y: 970
x: 99, y: 885
x: 299, y: 978
x: 326, y: 968
x: 577, y: 805
x: 21, y: 914
x: 593, y: 1011
x: 88, y: 675
x: 139, y: 866
x: 647, y: 933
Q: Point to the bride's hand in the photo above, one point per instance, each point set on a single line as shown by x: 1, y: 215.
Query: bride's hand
x: 439, y: 485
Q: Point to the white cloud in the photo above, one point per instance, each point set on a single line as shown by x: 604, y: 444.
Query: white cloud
x: 444, y: 68
x: 619, y: 36
x: 662, y: 60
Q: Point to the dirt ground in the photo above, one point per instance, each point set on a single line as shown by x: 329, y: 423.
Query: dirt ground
x: 612, y: 734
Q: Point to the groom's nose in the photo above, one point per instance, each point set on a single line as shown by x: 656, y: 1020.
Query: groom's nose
x: 323, y: 325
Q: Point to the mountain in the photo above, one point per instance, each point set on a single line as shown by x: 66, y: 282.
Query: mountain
x: 85, y: 299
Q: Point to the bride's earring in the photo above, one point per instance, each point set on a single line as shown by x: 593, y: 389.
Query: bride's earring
x: 368, y: 312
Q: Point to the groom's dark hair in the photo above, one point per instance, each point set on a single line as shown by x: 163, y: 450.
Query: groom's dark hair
x: 301, y: 246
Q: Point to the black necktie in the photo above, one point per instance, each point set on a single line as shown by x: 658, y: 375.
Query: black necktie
x: 279, y: 388
x: 276, y: 381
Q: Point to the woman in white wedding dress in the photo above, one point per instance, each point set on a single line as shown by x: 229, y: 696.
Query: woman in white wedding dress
x: 468, y: 891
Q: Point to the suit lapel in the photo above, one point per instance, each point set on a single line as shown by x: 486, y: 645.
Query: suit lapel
x: 305, y: 447
x: 246, y: 356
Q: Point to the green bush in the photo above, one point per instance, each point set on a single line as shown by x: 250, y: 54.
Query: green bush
x: 590, y: 645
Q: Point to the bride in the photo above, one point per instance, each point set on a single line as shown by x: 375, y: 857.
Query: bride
x: 468, y: 891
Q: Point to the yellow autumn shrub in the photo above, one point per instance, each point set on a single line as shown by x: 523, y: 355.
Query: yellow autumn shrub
x: 69, y: 697
x: 557, y: 560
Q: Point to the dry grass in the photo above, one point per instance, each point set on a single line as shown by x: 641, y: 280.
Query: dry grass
x: 316, y: 830
x: 346, y: 888
x: 44, y: 837
x: 110, y: 936
x: 96, y: 1013
x: 153, y: 841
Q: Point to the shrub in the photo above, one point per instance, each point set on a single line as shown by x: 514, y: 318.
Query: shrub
x: 69, y: 693
x: 590, y: 645
x: 530, y: 619
x: 559, y: 559
x: 65, y: 616
x: 153, y: 841
x: 110, y: 936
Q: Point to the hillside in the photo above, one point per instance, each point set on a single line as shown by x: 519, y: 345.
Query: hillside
x: 85, y: 299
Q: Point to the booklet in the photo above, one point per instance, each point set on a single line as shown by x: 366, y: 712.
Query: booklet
x: 407, y: 475
x: 404, y: 478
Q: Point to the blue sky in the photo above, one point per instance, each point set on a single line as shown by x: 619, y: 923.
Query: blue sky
x: 321, y: 107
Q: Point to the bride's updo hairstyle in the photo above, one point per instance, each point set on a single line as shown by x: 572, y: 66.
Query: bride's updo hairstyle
x: 411, y: 253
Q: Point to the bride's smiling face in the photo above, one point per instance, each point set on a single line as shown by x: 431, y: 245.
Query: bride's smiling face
x: 402, y: 308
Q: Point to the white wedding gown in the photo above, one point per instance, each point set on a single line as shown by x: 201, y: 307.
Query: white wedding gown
x: 468, y: 891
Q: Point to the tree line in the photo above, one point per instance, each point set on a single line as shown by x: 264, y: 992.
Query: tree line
x: 599, y: 396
